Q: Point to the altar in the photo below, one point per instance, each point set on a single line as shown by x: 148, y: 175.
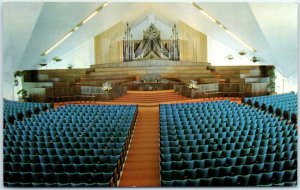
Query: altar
x: 150, y: 82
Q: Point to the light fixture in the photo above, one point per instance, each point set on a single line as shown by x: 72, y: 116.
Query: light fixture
x: 75, y: 29
x: 105, y: 4
x: 208, y: 16
x: 205, y: 13
x: 222, y: 26
x: 57, y: 43
x: 89, y: 17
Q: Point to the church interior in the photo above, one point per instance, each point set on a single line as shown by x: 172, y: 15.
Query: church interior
x: 149, y: 94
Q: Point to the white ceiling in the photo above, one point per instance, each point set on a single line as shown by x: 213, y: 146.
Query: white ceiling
x: 31, y: 28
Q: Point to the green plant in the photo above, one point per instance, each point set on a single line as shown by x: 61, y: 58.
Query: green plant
x: 56, y: 59
x: 16, y: 82
x: 22, y: 93
x: 70, y: 66
x: 254, y: 59
x: 19, y: 74
x: 43, y: 63
x: 272, y: 77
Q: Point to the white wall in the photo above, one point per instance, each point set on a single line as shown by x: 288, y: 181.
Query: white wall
x: 81, y: 56
x: 137, y: 30
x: 286, y: 84
x: 8, y: 91
x: 218, y: 51
x: 280, y: 82
x: 291, y: 83
x: 7, y: 86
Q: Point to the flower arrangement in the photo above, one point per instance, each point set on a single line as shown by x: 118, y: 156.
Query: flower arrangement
x: 192, y: 84
x: 107, y: 86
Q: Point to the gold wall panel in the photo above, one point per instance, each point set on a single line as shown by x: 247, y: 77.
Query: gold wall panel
x: 192, y: 44
x: 109, y: 45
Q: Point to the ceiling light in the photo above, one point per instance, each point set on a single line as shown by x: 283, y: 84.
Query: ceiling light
x: 89, y: 17
x: 205, y: 13
x: 208, y: 16
x: 238, y: 39
x: 57, y: 43
x: 105, y: 4
x: 222, y: 26
x: 76, y: 28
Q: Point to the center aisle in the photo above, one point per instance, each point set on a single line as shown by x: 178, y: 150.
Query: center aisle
x: 142, y: 164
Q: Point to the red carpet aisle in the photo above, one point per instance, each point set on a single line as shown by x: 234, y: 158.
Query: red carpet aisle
x: 142, y: 164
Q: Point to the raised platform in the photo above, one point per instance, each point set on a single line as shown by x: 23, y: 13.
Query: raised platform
x: 249, y: 79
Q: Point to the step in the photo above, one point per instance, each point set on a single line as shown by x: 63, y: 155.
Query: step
x: 257, y: 80
x: 234, y: 68
x: 154, y: 69
x: 64, y: 71
x: 151, y: 63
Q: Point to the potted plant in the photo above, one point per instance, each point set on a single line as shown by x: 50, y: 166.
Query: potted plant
x: 242, y: 52
x: 70, y: 66
x: 56, y: 59
x: 254, y: 59
x: 229, y: 57
x: 272, y: 77
x: 22, y: 95
x: 17, y: 76
x: 43, y: 63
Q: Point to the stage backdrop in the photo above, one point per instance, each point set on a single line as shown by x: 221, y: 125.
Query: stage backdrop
x: 109, y: 44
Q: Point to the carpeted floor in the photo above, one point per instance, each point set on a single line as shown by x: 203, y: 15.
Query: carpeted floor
x: 142, y: 164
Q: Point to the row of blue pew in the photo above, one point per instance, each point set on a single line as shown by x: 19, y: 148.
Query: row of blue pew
x: 283, y: 105
x: 202, y: 143
x: 13, y: 110
x: 33, y: 147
